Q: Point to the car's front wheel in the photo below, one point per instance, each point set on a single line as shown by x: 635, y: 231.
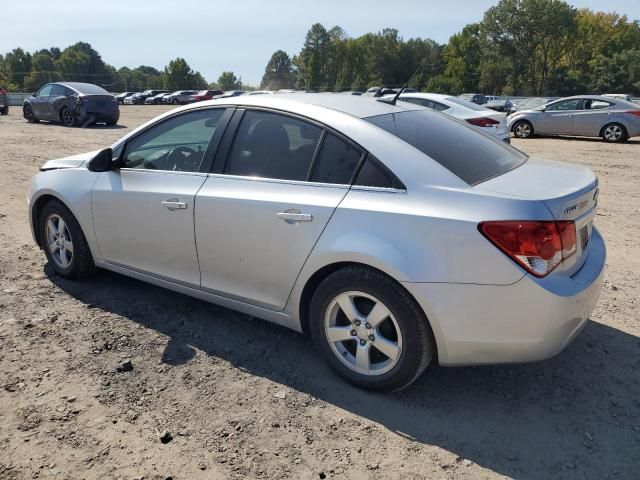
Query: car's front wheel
x: 370, y: 330
x: 614, y: 133
x: 523, y: 129
x: 63, y: 242
x: 29, y: 114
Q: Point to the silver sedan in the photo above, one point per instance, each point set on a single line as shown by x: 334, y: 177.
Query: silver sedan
x: 613, y: 119
x: 393, y: 235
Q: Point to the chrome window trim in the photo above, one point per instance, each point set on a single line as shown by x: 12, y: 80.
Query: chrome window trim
x: 278, y: 180
x: 155, y: 170
x: 378, y: 189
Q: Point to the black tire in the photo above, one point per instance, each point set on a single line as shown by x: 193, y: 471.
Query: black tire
x: 614, y: 133
x: 418, y: 345
x: 67, y: 117
x: 81, y: 263
x: 522, y: 129
x: 29, y: 114
x: 5, y: 110
x: 174, y: 101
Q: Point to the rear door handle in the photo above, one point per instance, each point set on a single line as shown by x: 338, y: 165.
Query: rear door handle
x: 174, y: 204
x: 294, y: 215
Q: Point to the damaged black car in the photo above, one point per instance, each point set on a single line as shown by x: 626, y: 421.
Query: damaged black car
x: 72, y: 104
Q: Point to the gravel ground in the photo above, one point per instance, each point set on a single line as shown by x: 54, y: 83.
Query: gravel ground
x: 214, y: 394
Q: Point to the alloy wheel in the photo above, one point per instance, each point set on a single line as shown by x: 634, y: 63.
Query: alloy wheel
x: 67, y: 117
x: 59, y: 241
x: 363, y: 333
x: 613, y: 133
x: 523, y: 130
x: 28, y: 112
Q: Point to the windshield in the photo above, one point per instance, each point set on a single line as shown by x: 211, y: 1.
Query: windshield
x: 471, y: 155
x: 89, y: 89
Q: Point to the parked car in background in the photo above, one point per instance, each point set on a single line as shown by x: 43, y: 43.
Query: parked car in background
x: 231, y: 93
x: 500, y: 105
x: 612, y: 119
x: 261, y: 92
x: 156, y: 99
x: 477, y: 98
x: 204, y: 95
x: 4, y: 102
x: 179, y: 97
x: 72, y: 104
x: 392, y: 235
x: 139, y: 98
x: 621, y: 96
x: 488, y: 121
x: 121, y: 96
x: 533, y: 102
x: 351, y: 92
x: 382, y: 91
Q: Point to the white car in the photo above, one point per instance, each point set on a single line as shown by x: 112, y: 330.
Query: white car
x: 489, y: 121
x: 392, y: 235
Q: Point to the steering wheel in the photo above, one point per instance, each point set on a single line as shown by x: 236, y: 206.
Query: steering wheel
x: 184, y: 159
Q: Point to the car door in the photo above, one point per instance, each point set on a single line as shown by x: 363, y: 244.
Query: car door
x: 558, y: 118
x: 143, y: 212
x: 57, y: 92
x: 276, y: 185
x: 592, y: 118
x: 40, y: 103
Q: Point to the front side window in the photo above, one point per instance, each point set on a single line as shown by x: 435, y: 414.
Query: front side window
x: 336, y: 161
x: 45, y: 91
x: 573, y: 104
x: 476, y: 159
x: 177, y: 144
x: 270, y: 145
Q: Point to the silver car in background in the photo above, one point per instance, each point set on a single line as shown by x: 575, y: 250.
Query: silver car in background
x: 612, y: 119
x: 392, y: 235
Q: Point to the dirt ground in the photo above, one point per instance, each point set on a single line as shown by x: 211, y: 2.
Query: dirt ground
x: 215, y: 394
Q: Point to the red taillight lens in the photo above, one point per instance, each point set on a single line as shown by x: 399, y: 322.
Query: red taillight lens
x: 538, y: 246
x: 634, y: 112
x: 482, y: 121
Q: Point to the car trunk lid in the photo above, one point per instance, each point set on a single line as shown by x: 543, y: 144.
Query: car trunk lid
x: 99, y: 101
x: 570, y: 192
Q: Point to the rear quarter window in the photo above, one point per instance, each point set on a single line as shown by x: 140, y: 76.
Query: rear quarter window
x: 472, y: 156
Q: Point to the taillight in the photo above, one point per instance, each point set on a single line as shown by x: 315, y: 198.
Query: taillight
x: 538, y: 246
x: 482, y: 121
x: 634, y: 112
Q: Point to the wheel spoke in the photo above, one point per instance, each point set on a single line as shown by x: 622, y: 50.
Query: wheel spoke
x: 53, y: 246
x: 362, y: 357
x: 387, y: 347
x: 348, y: 307
x: 377, y: 315
x: 51, y: 227
x: 68, y: 246
x: 339, y: 334
x: 64, y: 262
x: 61, y: 226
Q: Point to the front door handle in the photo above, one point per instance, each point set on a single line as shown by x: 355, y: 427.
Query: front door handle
x: 294, y: 215
x: 174, y: 204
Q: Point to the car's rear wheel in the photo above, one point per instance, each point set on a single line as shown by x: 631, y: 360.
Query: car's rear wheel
x: 63, y: 242
x: 29, y: 114
x: 614, y: 133
x: 68, y: 118
x: 523, y: 129
x: 174, y: 101
x: 4, y: 110
x: 370, y: 330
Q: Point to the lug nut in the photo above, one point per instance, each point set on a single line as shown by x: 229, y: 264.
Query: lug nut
x: 363, y: 343
x: 368, y: 325
x: 353, y: 333
x: 358, y: 323
x: 371, y: 337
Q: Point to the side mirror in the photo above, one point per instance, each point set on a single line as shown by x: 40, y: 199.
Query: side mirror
x: 102, y: 161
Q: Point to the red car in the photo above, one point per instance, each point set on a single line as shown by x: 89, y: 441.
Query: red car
x: 204, y: 95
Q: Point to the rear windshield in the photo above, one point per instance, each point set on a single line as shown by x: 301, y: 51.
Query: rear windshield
x: 89, y: 89
x: 471, y: 155
x: 465, y: 103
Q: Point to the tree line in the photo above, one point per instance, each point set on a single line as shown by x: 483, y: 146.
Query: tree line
x: 25, y: 72
x: 521, y: 47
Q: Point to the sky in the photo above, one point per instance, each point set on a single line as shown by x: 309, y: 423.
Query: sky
x: 217, y: 36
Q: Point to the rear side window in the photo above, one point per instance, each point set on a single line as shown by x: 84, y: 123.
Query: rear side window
x: 472, y: 156
x: 336, y: 162
x: 271, y: 145
x: 58, y: 91
x: 374, y: 174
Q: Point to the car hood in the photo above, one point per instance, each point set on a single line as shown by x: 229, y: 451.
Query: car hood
x: 75, y: 161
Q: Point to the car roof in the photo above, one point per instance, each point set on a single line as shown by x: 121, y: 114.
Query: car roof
x: 353, y: 105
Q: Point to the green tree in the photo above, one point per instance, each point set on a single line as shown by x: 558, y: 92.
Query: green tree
x: 179, y: 75
x: 279, y: 72
x: 16, y: 66
x: 81, y: 63
x: 311, y: 61
x: 228, y: 81
x: 43, y: 70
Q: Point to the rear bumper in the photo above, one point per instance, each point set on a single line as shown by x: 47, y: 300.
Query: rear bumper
x: 530, y: 320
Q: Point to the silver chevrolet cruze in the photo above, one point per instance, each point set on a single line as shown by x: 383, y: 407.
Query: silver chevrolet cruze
x: 393, y: 235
